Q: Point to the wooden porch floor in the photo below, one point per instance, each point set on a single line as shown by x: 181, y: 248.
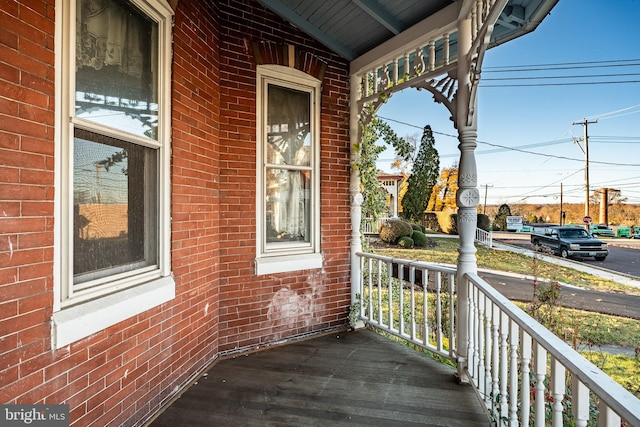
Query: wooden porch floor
x: 349, y: 378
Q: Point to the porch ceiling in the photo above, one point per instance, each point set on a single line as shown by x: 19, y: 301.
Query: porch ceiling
x: 352, y: 28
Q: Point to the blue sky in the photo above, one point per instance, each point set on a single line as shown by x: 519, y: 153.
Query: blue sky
x: 587, y: 33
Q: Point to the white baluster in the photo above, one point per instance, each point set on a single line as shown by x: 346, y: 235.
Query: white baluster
x: 558, y: 385
x: 395, y: 71
x: 379, y: 285
x: 370, y: 296
x: 390, y: 295
x: 471, y: 345
x: 540, y: 362
x: 525, y: 369
x: 513, y: 373
x: 481, y: 340
x: 425, y: 306
x: 579, y: 402
x: 488, y: 346
x: 452, y: 309
x: 607, y: 418
x: 401, y: 325
x: 432, y: 55
x: 504, y: 373
x: 445, y: 49
x: 376, y: 81
x: 495, y: 363
x: 412, y: 280
x: 438, y: 300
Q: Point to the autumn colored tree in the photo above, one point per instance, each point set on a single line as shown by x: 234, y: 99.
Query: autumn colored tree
x: 443, y: 196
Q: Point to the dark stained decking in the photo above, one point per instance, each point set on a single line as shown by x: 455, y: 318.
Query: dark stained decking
x: 350, y: 378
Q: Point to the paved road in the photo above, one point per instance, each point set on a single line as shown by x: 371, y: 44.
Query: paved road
x: 518, y: 289
x: 623, y: 258
x: 623, y: 253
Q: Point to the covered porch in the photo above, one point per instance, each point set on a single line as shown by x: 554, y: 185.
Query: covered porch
x: 426, y: 364
x: 340, y: 378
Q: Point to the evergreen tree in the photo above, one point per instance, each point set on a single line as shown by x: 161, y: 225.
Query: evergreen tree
x: 424, y: 175
x: 500, y: 222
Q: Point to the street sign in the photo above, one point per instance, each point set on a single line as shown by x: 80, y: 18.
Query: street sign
x: 587, y: 220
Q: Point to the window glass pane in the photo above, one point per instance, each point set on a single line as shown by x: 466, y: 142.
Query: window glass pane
x: 116, y: 67
x: 288, y: 206
x: 114, y: 203
x: 288, y: 127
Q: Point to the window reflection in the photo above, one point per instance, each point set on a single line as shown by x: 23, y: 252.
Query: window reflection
x: 116, y: 67
x: 288, y: 206
x: 288, y: 166
x: 112, y: 193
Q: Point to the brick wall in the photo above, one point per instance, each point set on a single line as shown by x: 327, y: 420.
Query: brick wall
x: 250, y: 306
x: 121, y: 375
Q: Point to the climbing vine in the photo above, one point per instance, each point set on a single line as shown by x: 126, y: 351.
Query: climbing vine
x: 376, y: 135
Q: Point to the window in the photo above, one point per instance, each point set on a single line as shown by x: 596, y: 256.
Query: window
x: 288, y: 182
x: 112, y: 145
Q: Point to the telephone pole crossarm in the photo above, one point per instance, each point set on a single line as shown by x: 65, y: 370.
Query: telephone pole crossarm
x: 585, y: 123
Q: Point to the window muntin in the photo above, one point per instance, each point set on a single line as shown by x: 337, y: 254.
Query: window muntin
x: 114, y: 145
x: 289, y: 204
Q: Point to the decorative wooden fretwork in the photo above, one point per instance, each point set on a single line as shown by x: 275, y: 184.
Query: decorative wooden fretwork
x: 432, y: 64
x: 289, y: 56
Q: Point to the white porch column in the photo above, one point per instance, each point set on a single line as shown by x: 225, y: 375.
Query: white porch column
x: 354, y: 189
x: 467, y: 196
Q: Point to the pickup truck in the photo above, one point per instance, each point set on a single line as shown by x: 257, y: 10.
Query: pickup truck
x: 569, y: 242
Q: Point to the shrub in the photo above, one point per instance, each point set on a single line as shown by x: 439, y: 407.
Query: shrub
x: 484, y: 222
x: 453, y: 224
x: 416, y: 227
x: 394, y: 229
x: 419, y: 238
x: 405, y: 242
x: 431, y: 221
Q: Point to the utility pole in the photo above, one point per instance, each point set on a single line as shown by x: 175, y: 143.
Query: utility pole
x: 484, y: 208
x: 561, y: 207
x: 585, y: 123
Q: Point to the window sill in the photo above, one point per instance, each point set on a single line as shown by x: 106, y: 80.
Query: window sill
x: 286, y: 263
x: 85, y: 319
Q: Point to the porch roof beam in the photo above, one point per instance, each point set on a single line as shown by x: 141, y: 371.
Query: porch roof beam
x: 413, y: 37
x: 380, y: 14
x: 297, y: 20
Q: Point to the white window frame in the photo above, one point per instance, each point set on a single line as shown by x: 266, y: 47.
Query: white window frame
x: 79, y: 316
x: 295, y: 256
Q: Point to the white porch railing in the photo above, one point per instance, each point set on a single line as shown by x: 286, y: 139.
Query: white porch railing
x: 484, y: 237
x: 373, y: 227
x: 524, y: 374
x: 392, y: 298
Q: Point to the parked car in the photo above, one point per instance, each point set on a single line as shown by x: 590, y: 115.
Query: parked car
x: 634, y: 232
x: 602, y: 230
x: 569, y: 242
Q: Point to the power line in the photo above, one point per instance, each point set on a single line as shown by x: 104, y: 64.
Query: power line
x: 505, y: 148
x: 561, y: 84
x: 560, y: 77
x: 527, y: 67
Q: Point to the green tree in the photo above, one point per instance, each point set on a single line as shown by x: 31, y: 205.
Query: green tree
x: 500, y: 222
x: 424, y: 175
